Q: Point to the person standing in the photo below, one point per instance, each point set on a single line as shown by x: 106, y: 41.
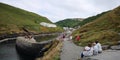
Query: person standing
x: 78, y: 37
x: 70, y: 37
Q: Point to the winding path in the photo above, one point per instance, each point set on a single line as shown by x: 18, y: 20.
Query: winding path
x: 70, y: 51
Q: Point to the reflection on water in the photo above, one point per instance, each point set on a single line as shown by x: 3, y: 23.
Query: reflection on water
x: 8, y: 50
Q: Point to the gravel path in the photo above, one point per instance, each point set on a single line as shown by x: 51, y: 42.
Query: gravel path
x: 70, y: 51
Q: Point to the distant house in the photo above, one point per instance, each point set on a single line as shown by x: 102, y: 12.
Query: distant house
x: 47, y: 24
x: 65, y: 28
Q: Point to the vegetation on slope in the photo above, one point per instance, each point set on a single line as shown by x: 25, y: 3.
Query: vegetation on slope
x: 90, y: 19
x: 12, y: 19
x: 54, y: 52
x: 77, y: 22
x: 69, y: 22
x: 105, y: 29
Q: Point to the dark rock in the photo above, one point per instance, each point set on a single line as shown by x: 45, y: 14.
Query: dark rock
x: 118, y: 42
x: 30, y: 47
x: 3, y: 36
x: 117, y: 47
x: 105, y: 47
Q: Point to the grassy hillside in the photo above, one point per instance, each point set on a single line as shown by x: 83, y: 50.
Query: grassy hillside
x: 105, y: 29
x: 78, y: 22
x: 92, y: 18
x: 69, y: 22
x: 12, y: 19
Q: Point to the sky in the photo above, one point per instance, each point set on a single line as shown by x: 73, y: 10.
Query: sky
x: 56, y: 10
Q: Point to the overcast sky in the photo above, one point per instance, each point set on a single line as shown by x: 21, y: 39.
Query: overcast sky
x: 56, y: 10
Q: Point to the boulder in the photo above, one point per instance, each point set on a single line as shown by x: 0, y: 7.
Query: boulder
x: 117, y: 47
x: 118, y: 42
x: 105, y: 47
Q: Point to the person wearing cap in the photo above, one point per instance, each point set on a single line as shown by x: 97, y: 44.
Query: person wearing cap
x: 88, y: 51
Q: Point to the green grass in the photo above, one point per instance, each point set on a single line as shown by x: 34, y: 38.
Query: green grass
x: 92, y: 18
x: 12, y: 19
x: 105, y: 29
x: 68, y: 22
x: 56, y: 57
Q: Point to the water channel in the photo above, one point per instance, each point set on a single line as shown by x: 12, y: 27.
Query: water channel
x: 8, y: 50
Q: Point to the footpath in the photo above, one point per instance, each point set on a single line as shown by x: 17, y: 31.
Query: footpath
x: 70, y: 51
x: 107, y: 55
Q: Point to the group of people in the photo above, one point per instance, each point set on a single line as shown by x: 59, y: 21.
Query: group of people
x: 92, y: 49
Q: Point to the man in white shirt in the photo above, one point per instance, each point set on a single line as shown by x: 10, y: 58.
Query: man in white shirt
x: 99, y: 47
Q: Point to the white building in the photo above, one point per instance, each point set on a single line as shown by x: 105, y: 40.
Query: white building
x: 47, y: 24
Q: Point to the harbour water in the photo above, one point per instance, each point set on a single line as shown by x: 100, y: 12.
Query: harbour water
x: 8, y: 50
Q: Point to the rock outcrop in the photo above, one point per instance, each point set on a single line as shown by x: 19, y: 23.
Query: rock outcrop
x: 30, y: 47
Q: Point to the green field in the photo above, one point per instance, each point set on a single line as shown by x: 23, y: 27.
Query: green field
x: 12, y: 19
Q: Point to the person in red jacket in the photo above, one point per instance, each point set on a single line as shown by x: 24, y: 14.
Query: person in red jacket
x: 78, y: 37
